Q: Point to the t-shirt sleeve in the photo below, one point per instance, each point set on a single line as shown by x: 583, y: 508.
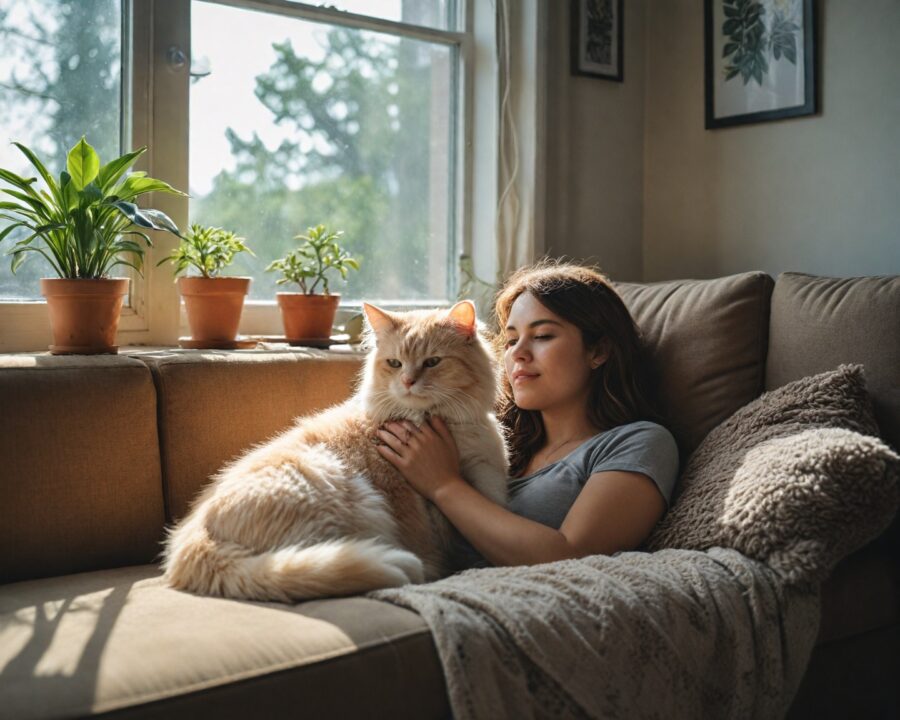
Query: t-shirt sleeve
x: 642, y: 447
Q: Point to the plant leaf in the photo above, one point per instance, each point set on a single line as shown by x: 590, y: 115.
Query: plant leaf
x: 7, y: 230
x: 83, y: 164
x: 20, y: 253
x: 18, y: 258
x: 18, y: 181
x: 121, y: 261
x: 135, y: 185
x: 68, y: 191
x: 134, y: 213
x: 37, y: 204
x: 39, y: 166
x: 112, y: 171
x: 730, y: 25
x: 90, y: 195
x: 162, y: 221
x: 128, y: 246
x: 790, y: 52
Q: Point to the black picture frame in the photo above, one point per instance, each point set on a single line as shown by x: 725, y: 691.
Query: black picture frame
x: 741, y: 85
x: 597, y: 38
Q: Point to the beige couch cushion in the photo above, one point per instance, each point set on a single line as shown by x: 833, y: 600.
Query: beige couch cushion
x: 110, y: 640
x: 708, y: 341
x: 819, y: 322
x: 80, y: 485
x: 213, y: 406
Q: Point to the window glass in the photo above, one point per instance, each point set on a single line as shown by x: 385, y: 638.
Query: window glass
x: 60, y: 78
x: 295, y: 123
x: 438, y: 14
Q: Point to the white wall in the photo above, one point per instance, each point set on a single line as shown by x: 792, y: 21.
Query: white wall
x: 594, y: 152
x: 636, y: 182
x: 818, y: 194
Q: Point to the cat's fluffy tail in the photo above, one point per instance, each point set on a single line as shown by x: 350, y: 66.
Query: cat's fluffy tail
x: 341, y: 567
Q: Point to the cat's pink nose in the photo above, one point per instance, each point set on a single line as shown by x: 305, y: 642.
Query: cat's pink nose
x: 408, y: 382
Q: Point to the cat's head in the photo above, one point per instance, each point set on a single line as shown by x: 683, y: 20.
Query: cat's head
x: 433, y: 361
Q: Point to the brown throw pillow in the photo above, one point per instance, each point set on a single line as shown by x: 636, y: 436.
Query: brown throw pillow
x: 795, y: 479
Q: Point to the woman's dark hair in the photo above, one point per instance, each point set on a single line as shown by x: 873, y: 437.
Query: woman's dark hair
x: 619, y: 389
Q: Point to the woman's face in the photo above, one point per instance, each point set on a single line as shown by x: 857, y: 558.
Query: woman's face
x: 546, y: 361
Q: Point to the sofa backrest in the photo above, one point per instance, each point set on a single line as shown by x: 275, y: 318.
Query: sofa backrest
x: 708, y: 341
x: 80, y: 484
x: 213, y: 406
x: 98, y: 453
x: 817, y: 323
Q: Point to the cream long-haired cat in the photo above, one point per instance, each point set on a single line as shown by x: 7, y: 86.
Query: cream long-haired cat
x: 317, y: 511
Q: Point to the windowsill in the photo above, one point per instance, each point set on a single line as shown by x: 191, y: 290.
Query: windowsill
x: 337, y: 351
x: 262, y: 347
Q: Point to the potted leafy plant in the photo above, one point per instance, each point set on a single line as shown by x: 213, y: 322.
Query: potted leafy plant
x: 213, y: 303
x: 309, y: 315
x: 84, y: 224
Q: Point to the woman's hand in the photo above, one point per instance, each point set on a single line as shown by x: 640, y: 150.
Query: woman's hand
x: 426, y: 455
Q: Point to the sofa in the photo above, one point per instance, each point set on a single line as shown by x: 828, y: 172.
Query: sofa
x: 101, y: 453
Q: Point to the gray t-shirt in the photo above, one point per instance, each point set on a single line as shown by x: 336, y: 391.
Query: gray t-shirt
x: 644, y: 447
x: 547, y: 495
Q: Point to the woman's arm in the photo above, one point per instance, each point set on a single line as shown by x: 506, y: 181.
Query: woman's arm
x: 614, y: 511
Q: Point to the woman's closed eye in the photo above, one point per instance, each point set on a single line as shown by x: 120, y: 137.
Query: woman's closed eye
x: 512, y: 341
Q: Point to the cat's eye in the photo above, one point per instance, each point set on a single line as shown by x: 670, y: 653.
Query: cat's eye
x: 431, y: 362
x: 394, y: 363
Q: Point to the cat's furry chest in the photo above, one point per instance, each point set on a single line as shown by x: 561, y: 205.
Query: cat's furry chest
x: 351, y: 436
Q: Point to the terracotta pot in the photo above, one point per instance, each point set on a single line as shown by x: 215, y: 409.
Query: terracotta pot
x: 307, y: 317
x: 214, y: 306
x: 84, y: 314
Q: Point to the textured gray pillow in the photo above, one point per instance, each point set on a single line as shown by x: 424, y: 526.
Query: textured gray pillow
x: 795, y: 479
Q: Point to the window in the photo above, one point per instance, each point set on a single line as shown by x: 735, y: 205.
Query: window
x: 60, y: 62
x: 295, y: 122
x: 274, y: 115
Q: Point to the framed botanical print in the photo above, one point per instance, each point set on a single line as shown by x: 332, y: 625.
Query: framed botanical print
x: 760, y: 60
x: 597, y: 38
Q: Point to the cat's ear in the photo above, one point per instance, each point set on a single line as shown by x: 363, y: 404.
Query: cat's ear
x: 463, y: 316
x: 379, y: 319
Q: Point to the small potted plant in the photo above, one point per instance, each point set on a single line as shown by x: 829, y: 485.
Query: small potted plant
x: 84, y: 225
x: 309, y: 315
x: 213, y: 303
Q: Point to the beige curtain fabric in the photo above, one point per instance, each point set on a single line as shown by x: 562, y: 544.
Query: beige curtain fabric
x: 518, y: 61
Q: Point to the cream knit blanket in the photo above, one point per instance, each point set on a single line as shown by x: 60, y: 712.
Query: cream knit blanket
x: 670, y: 634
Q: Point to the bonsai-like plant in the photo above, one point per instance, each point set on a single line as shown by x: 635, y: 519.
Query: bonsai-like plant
x: 309, y: 265
x: 87, y: 221
x: 208, y: 249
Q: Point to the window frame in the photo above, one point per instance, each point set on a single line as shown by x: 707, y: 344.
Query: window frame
x: 263, y: 317
x: 159, y: 99
x: 24, y: 325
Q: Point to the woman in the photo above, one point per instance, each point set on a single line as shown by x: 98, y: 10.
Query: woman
x: 589, y: 472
